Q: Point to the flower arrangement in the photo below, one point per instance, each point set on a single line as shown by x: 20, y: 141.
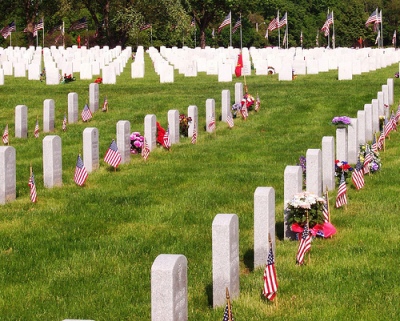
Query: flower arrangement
x: 184, y: 125
x: 68, y: 78
x: 305, y: 206
x: 236, y: 109
x: 247, y: 100
x: 137, y: 142
x: 375, y: 162
x: 341, y: 121
x: 98, y: 80
x: 342, y: 167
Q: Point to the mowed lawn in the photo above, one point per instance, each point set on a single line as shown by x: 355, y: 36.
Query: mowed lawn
x: 86, y: 252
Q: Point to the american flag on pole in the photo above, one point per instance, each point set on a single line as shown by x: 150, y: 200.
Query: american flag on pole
x: 64, y: 123
x: 166, y: 139
x: 325, y: 209
x: 228, y: 316
x: 36, y: 131
x: 145, y: 27
x: 237, y: 25
x: 258, y: 103
x: 273, y: 25
x: 5, y: 135
x: 341, y: 198
x: 358, y: 176
x: 372, y: 18
x: 81, y: 173
x: 304, y: 245
x: 6, y: 31
x: 283, y: 21
x: 113, y: 157
x: 270, y: 281
x: 145, y: 149
x: 211, y: 124
x: 230, y: 122
x: 79, y: 24
x: 194, y: 136
x: 32, y: 188
x: 86, y: 113
x: 328, y: 22
x: 226, y: 22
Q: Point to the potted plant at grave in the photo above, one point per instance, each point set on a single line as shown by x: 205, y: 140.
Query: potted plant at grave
x: 184, y: 125
x: 307, y: 207
x: 341, y: 121
x: 137, y: 142
x: 342, y: 167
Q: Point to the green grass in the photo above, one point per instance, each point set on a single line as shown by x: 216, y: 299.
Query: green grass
x: 86, y: 253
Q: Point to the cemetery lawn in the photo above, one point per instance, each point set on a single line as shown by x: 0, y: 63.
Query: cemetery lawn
x: 86, y: 252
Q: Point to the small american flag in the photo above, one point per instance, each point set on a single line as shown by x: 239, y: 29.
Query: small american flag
x: 374, y: 145
x: 270, y: 281
x: 5, y: 135
x: 64, y: 123
x: 81, y: 173
x: 145, y: 150
x: 230, y: 122
x: 105, y: 105
x: 86, y: 113
x: 358, y: 176
x: 304, y: 245
x: 341, y: 198
x: 367, y: 160
x: 325, y: 209
x: 237, y: 25
x: 194, y: 136
x: 381, y: 140
x: 387, y: 127
x: 32, y: 187
x: 166, y: 139
x: 244, y: 112
x: 258, y: 103
x: 211, y: 124
x: 36, y: 131
x: 113, y: 157
x: 228, y: 311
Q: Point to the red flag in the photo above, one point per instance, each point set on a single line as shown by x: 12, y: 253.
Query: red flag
x: 239, y: 66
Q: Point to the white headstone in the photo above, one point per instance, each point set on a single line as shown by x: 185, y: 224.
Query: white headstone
x: 353, y: 146
x: 91, y: 148
x: 345, y: 70
x: 226, y: 105
x: 123, y: 140
x: 210, y: 115
x: 109, y: 76
x: 238, y: 92
x: 21, y: 121
x: 224, y: 73
x: 73, y: 108
x: 375, y: 115
x: 361, y: 127
x: 150, y: 131
x: 48, y: 115
x: 169, y: 292
x: 52, y: 76
x: 86, y: 71
x: 52, y: 161
x: 368, y: 122
x: 194, y: 124
x: 390, y: 84
x: 93, y: 97
x: 293, y: 184
x: 173, y: 124
x: 7, y: 174
x: 314, y: 171
x: 264, y: 223
x: 328, y: 163
x: 225, y: 257
x: 341, y: 144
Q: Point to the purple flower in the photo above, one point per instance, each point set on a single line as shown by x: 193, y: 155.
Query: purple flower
x: 341, y: 120
x: 137, y: 144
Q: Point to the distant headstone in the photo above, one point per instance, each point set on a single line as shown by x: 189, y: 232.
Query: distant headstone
x: 345, y: 70
x: 108, y: 75
x: 224, y: 73
x: 166, y: 74
x: 353, y: 146
x: 210, y: 115
x: 7, y: 174
x: 193, y: 114
x: 238, y: 92
x: 314, y: 171
x: 86, y: 71
x: 328, y: 163
x: 225, y: 257
x: 169, y: 289
x: 226, y: 105
x: 137, y: 69
x: 33, y: 72
x: 341, y: 144
x: 93, y: 97
x: 385, y: 91
x: 173, y: 123
x: 361, y: 127
x: 390, y: 84
x: 91, y: 148
x: 21, y: 121
x: 123, y: 140
x: 52, y: 76
x: 52, y: 161
x: 381, y: 107
x: 48, y: 115
x: 264, y: 223
x: 286, y: 71
x: 375, y: 116
x: 73, y: 108
x: 368, y: 122
x: 150, y: 131
x: 293, y: 184
x: 19, y: 69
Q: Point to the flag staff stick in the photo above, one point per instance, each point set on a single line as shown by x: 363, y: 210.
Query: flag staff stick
x: 241, y: 40
x: 228, y: 302
x: 270, y: 244
x: 381, y: 29
x: 230, y: 28
x: 308, y: 226
x: 43, y: 30
x: 327, y: 204
x: 279, y: 30
x: 333, y: 31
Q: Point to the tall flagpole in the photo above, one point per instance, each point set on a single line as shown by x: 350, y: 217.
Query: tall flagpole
x: 63, y: 34
x: 287, y: 31
x: 333, y: 31
x: 230, y: 28
x: 329, y: 44
x: 241, y: 40
x: 279, y: 30
x: 381, y: 30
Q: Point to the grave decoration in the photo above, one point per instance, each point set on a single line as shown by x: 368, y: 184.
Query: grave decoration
x: 68, y: 78
x: 342, y: 167
x: 160, y: 135
x: 98, y: 80
x: 137, y: 142
x: 43, y: 75
x: 184, y: 125
x: 341, y: 121
x: 370, y: 158
x: 308, y: 207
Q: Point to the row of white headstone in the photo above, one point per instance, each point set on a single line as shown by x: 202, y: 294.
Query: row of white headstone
x: 59, y: 62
